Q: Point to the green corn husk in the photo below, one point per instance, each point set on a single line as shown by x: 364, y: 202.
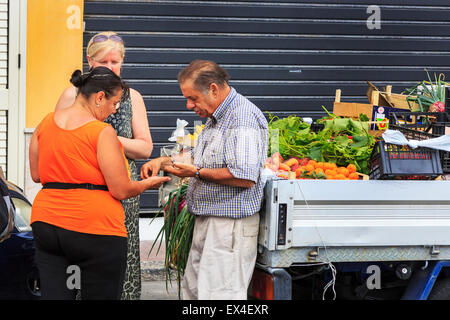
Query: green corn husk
x: 176, y: 232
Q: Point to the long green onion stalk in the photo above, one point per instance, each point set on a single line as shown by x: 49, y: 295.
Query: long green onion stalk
x: 177, y: 233
x: 429, y: 95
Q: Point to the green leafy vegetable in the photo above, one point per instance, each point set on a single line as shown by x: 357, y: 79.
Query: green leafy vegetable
x: 342, y: 140
x: 363, y: 117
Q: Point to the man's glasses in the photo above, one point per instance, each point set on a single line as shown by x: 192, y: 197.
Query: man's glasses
x: 102, y: 38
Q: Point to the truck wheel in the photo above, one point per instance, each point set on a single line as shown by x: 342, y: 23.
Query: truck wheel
x: 441, y: 290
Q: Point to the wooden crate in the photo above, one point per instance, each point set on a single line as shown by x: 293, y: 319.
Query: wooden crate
x: 388, y: 99
x: 353, y: 110
x: 350, y: 109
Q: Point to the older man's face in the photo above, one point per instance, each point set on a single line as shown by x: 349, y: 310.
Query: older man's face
x: 202, y: 103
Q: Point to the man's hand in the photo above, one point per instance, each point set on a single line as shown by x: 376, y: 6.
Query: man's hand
x: 152, y: 167
x: 181, y: 169
x: 220, y: 175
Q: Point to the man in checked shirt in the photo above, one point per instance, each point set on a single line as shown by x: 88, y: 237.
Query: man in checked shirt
x: 225, y: 189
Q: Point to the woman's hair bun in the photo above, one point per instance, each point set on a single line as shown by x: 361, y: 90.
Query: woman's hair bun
x: 77, y: 78
x: 99, y: 79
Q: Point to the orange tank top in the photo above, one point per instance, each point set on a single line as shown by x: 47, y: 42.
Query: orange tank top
x: 70, y: 156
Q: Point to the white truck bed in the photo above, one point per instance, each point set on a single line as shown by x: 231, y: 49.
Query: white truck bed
x: 339, y: 220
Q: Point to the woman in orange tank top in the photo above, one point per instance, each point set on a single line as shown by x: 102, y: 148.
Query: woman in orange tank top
x: 77, y: 218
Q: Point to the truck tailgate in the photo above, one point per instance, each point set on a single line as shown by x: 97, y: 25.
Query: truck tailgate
x: 358, y: 215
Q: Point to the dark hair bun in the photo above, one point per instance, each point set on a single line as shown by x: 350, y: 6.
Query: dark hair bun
x: 77, y: 78
x: 99, y: 79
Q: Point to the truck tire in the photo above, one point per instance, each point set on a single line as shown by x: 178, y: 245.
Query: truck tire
x: 441, y: 290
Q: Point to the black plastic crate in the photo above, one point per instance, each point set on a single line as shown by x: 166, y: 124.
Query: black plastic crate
x: 412, y: 134
x: 391, y: 162
x: 316, y: 127
x: 429, y: 122
x: 424, y: 130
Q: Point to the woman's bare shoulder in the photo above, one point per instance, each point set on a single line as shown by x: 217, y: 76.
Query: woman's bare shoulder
x: 67, y: 98
x: 134, y: 94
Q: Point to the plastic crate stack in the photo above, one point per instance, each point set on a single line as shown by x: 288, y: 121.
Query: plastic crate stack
x: 423, y: 126
x: 390, y: 161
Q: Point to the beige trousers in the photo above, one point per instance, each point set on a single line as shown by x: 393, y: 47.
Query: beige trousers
x: 221, y: 259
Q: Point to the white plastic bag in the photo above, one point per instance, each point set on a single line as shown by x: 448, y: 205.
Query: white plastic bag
x: 180, y: 131
x: 181, y: 151
x: 267, y: 174
x: 396, y: 137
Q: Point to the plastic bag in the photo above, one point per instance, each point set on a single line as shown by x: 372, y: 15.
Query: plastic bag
x: 396, y: 137
x: 267, y: 174
x: 181, y: 151
x: 180, y: 131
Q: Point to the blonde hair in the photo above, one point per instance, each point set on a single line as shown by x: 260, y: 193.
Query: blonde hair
x: 93, y: 49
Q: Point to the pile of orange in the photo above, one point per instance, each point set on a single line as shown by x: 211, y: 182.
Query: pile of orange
x: 330, y: 169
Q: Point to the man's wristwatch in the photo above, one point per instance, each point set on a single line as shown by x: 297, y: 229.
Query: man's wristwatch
x: 197, y: 173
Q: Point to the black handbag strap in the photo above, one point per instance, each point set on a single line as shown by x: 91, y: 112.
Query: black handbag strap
x: 63, y: 185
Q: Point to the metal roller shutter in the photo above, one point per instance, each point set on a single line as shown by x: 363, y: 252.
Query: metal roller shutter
x: 286, y: 56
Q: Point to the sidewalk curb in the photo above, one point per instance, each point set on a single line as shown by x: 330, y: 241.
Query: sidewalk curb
x: 155, y: 271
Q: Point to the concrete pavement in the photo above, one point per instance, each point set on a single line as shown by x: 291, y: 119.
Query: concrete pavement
x: 156, y: 290
x: 152, y: 264
x: 154, y: 275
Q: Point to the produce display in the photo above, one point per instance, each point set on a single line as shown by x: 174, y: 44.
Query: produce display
x: 341, y: 142
x: 296, y: 168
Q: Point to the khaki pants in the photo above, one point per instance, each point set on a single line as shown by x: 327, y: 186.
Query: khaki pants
x: 222, y: 258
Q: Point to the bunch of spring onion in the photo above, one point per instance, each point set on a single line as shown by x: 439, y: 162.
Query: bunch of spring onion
x: 177, y: 233
x: 429, y: 95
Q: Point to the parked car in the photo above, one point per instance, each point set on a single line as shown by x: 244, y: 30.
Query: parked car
x: 19, y: 277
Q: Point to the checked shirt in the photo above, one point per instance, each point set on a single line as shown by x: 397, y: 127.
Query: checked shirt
x: 235, y: 137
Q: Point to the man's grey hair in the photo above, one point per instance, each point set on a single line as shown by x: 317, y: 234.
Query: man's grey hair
x: 204, y: 73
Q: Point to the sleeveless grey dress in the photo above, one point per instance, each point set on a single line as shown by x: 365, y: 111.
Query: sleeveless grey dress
x: 121, y: 122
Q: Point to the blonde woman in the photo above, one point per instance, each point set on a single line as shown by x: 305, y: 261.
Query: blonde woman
x: 131, y: 125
